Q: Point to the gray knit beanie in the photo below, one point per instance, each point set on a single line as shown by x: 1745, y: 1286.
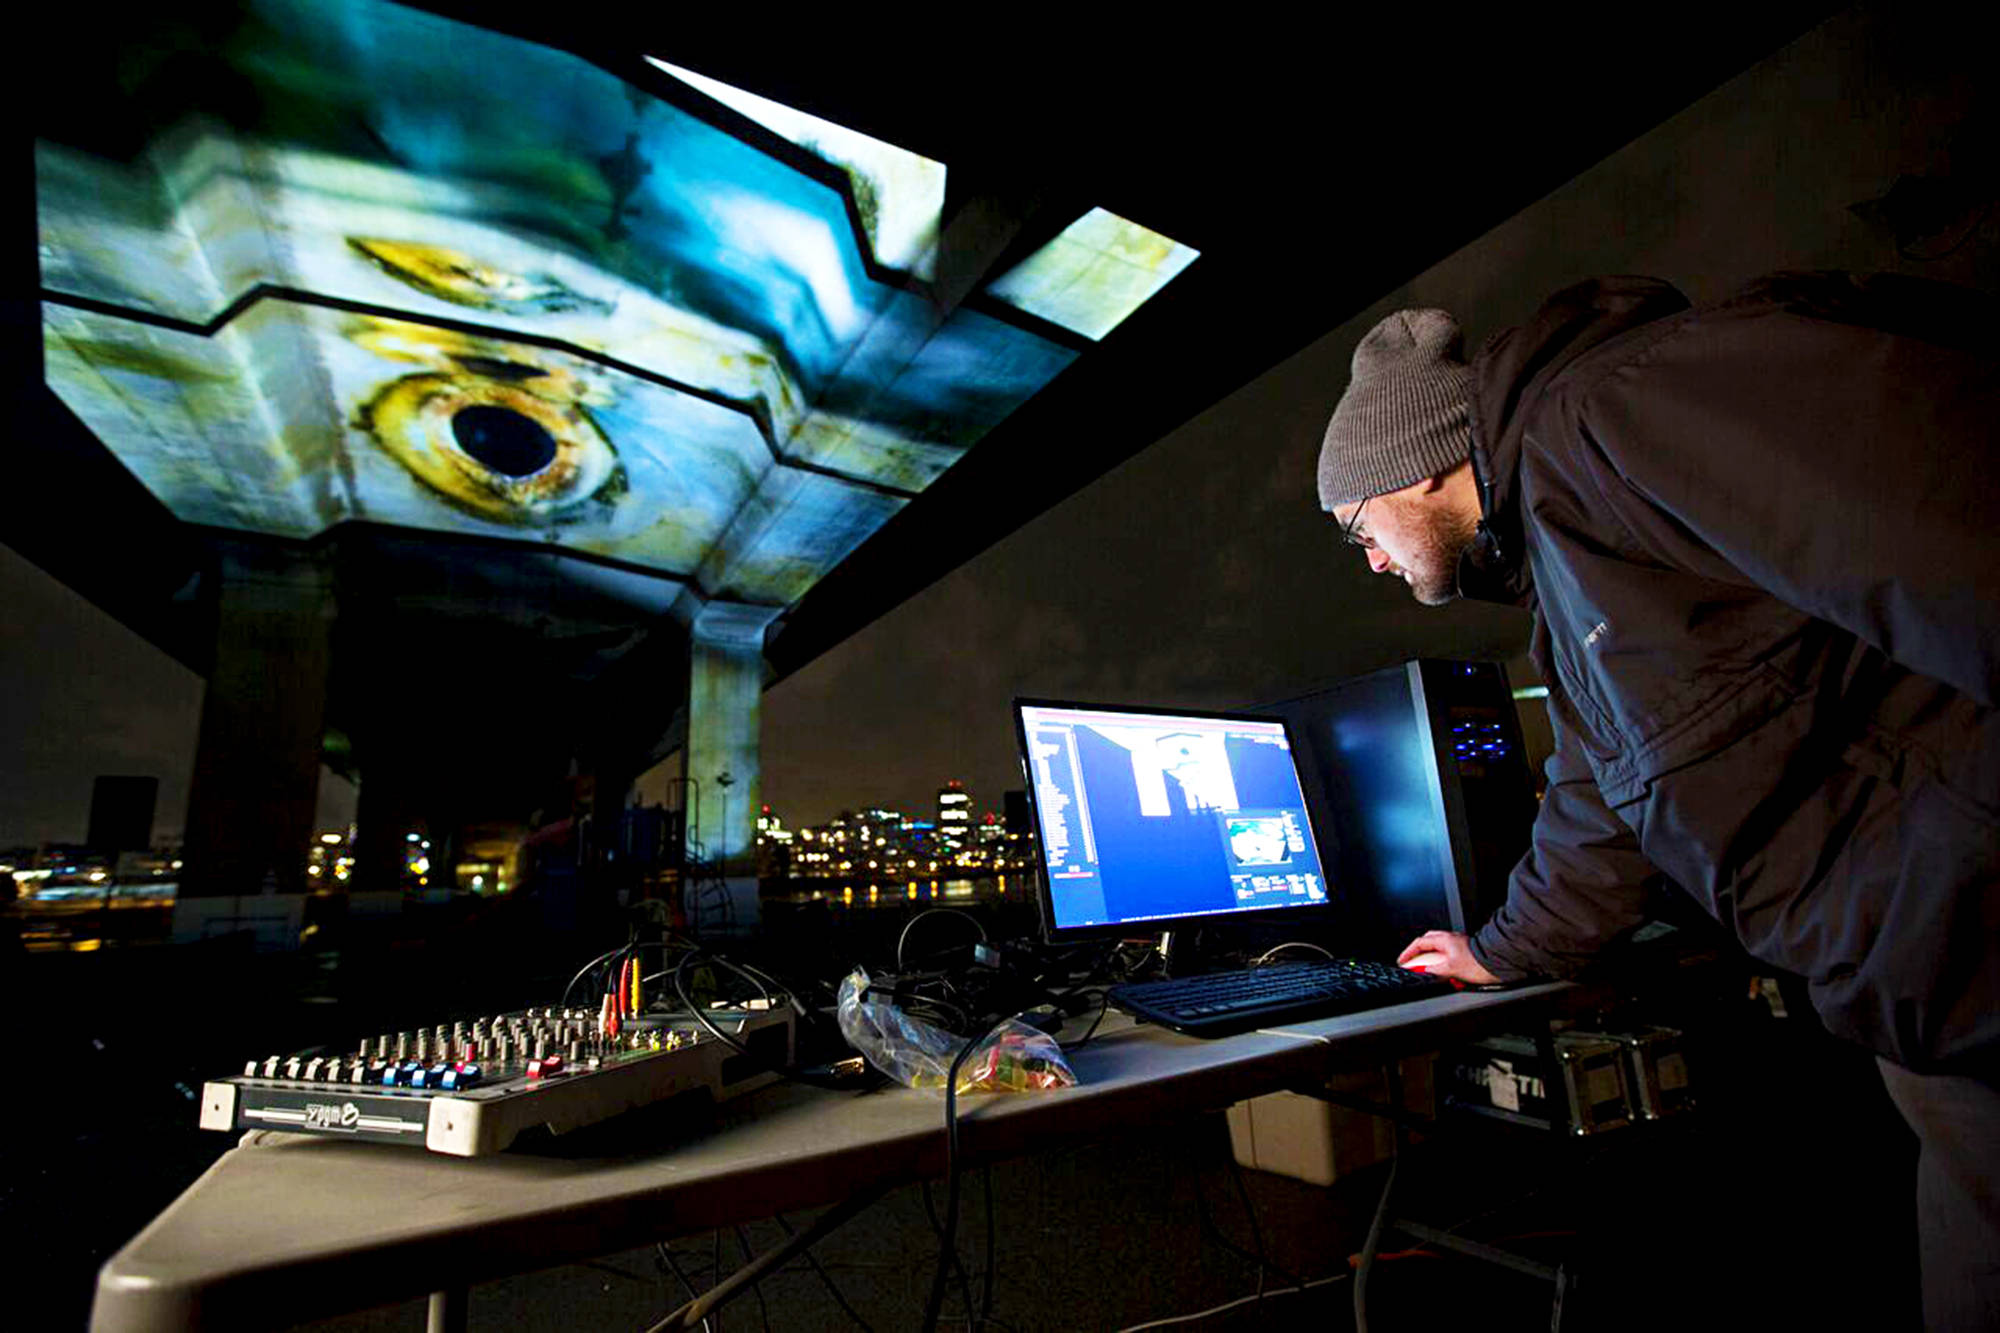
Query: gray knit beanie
x: 1406, y: 413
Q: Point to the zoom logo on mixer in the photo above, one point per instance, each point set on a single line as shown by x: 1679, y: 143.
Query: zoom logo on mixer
x: 319, y: 1115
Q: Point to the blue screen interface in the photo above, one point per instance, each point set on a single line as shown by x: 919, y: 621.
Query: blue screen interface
x: 1152, y: 816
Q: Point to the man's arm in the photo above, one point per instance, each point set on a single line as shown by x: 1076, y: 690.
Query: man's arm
x: 1846, y: 470
x: 1582, y: 884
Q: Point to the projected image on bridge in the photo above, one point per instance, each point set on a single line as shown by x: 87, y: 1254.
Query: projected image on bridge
x: 370, y: 263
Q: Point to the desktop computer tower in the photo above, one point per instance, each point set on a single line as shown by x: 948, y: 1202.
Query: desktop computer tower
x: 1421, y: 794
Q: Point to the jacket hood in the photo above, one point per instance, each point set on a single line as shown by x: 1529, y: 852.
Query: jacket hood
x: 1508, y: 374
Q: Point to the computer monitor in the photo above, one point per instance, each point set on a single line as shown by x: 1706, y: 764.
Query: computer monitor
x: 1157, y: 820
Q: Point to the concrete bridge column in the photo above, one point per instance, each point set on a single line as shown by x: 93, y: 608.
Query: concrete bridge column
x: 390, y: 804
x: 723, y: 763
x: 257, y: 758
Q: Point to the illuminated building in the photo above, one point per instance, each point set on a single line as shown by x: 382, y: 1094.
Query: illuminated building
x: 954, y: 819
x: 897, y: 844
x: 776, y: 857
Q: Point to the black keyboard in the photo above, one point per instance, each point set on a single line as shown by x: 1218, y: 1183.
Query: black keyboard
x: 1225, y: 1002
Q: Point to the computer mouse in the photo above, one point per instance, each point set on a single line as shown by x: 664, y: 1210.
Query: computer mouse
x: 1424, y: 962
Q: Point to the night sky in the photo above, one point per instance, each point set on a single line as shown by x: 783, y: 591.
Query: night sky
x: 86, y: 696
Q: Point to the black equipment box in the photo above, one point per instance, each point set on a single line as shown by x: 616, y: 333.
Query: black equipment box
x: 1572, y: 1082
x: 1656, y: 1072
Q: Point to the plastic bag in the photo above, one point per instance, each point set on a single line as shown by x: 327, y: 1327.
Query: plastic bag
x: 1012, y: 1058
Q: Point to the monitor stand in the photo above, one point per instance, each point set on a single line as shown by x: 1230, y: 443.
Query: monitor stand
x: 1179, y: 953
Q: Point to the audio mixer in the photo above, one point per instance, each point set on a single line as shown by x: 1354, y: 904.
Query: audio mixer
x: 472, y: 1088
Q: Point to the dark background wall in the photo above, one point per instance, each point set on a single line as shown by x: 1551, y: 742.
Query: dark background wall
x: 1201, y: 572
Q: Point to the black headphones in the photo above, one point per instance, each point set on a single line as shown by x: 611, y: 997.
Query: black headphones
x: 1487, y: 549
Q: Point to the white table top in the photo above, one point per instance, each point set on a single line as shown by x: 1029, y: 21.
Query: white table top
x: 319, y: 1226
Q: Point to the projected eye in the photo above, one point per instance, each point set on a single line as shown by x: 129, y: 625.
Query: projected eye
x: 453, y: 276
x: 496, y: 447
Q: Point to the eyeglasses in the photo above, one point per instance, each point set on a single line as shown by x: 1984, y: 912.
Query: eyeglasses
x: 1352, y: 534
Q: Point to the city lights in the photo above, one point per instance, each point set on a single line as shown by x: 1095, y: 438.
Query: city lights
x: 934, y: 855
x: 959, y: 839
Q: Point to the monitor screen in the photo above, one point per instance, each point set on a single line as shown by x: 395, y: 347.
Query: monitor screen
x: 1155, y: 818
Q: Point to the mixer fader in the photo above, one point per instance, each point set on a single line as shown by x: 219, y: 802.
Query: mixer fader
x: 472, y: 1087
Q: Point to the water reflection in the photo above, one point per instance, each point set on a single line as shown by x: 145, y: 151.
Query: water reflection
x: 989, y: 888
x: 86, y: 917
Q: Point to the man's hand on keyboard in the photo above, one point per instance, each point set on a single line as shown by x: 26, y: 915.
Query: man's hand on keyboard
x: 1450, y: 956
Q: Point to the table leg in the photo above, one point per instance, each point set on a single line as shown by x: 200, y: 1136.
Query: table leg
x: 691, y: 1314
x: 447, y: 1311
x: 1392, y: 1080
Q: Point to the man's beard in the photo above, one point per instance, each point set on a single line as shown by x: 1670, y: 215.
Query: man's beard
x: 1436, y: 547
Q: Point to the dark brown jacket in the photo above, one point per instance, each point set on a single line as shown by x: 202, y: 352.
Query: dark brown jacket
x: 1759, y: 541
